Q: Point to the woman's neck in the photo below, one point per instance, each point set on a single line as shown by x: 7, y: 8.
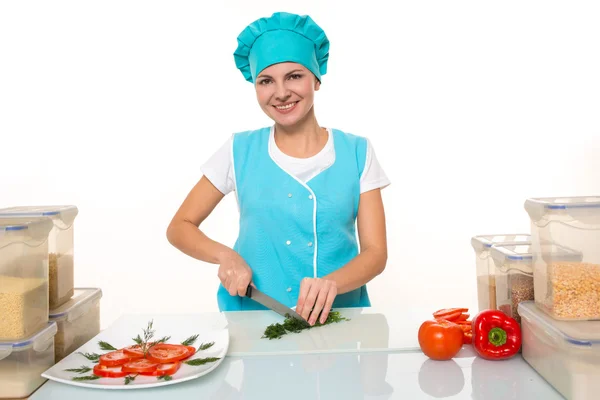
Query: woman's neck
x: 302, y: 140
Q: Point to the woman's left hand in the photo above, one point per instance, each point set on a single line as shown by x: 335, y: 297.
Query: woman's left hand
x: 316, y: 295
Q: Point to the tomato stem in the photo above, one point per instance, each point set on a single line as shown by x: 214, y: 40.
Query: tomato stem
x: 497, y: 336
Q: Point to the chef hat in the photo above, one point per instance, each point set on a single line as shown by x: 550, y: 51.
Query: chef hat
x: 283, y: 37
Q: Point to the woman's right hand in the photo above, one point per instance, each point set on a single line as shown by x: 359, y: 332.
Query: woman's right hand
x: 234, y: 273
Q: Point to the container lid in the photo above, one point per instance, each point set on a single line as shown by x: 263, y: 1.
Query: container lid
x: 23, y: 229
x: 520, y: 257
x: 578, y: 333
x: 37, y: 341
x: 581, y: 208
x: 63, y: 216
x: 483, y: 242
x: 81, y: 301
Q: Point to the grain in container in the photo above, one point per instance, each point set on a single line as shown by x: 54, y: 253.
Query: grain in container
x: 566, y: 290
x: 486, y: 283
x: 23, y: 276
x: 22, y: 363
x: 60, y: 247
x: 565, y: 353
x: 514, y: 273
x: 78, y: 321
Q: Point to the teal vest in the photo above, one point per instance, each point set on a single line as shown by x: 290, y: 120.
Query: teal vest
x: 288, y: 229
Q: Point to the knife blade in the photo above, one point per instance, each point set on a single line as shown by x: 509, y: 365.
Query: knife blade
x: 273, y: 304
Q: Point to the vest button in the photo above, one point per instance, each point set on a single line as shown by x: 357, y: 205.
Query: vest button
x: 289, y: 289
x: 310, y: 196
x: 288, y: 242
x: 309, y: 244
x: 289, y: 195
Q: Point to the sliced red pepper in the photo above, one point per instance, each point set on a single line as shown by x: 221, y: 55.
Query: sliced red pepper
x: 443, y: 313
x: 496, y: 336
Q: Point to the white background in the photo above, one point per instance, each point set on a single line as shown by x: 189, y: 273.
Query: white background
x: 472, y: 107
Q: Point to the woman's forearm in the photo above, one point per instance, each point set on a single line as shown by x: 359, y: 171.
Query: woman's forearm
x: 360, y: 270
x: 190, y: 240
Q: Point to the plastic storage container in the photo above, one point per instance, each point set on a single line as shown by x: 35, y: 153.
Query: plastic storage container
x: 23, y: 276
x: 565, y: 353
x: 60, y: 247
x: 78, y: 321
x: 514, y: 273
x: 486, y: 283
x: 567, y: 290
x: 22, y: 363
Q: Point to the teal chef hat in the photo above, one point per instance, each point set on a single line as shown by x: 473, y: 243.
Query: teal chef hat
x: 283, y: 37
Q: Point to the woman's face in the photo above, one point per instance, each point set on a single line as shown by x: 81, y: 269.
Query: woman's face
x: 286, y: 92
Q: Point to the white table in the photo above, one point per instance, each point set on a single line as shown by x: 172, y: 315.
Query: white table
x: 379, y: 360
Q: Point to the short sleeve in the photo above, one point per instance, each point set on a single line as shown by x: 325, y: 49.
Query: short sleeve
x: 218, y: 169
x: 373, y: 176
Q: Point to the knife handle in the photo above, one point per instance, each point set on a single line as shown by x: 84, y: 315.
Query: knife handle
x: 249, y: 291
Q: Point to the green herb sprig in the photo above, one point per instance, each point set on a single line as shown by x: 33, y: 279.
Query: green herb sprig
x: 148, y: 334
x: 201, y: 361
x: 165, y: 377
x: 130, y: 378
x: 106, y: 346
x: 86, y: 378
x: 82, y: 370
x: 190, y: 341
x: 91, y: 356
x: 290, y: 324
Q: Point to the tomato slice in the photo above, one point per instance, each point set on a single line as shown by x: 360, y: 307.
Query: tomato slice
x: 135, y: 350
x: 466, y: 328
x: 140, y: 365
x: 164, y: 353
x: 164, y: 369
x: 191, y: 351
x: 109, y: 372
x: 117, y: 357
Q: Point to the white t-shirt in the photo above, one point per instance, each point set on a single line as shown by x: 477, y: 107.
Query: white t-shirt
x: 219, y: 168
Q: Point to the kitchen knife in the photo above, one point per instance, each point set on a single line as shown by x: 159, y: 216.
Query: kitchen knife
x: 273, y: 304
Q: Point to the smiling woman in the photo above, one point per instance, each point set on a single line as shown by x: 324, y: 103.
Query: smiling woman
x: 300, y: 187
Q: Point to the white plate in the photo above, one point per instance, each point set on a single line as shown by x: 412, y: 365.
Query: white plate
x: 120, y: 335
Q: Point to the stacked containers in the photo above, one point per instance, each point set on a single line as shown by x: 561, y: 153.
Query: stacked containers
x: 26, y: 336
x: 23, y: 361
x: 486, y: 282
x: 78, y: 321
x: 514, y: 273
x: 567, y: 290
x: 60, y: 246
x: 560, y: 339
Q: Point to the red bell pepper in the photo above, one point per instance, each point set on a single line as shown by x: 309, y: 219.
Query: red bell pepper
x: 496, y: 336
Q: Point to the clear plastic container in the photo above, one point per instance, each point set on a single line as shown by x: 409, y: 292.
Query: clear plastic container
x: 60, y: 247
x: 22, y: 363
x: 567, y: 290
x: 23, y: 276
x: 565, y: 353
x: 78, y: 321
x: 485, y: 270
x: 514, y: 273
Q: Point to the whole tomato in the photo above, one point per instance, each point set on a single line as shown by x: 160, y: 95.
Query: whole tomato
x: 440, y: 340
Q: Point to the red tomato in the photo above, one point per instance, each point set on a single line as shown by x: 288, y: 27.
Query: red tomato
x: 115, y: 358
x: 109, y: 372
x: 167, y: 353
x: 140, y: 365
x: 440, y: 340
x: 164, y: 369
